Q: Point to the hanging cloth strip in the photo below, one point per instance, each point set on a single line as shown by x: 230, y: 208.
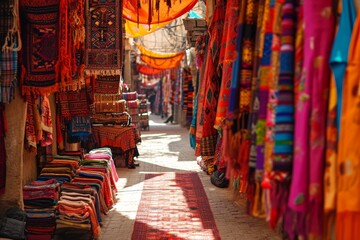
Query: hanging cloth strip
x: 306, y: 193
x: 348, y: 171
x: 155, y: 11
x: 135, y: 30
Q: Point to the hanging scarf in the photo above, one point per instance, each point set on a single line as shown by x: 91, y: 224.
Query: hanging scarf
x: 10, y: 44
x: 307, y: 183
x: 210, y: 85
x: 227, y: 57
x: 347, y: 168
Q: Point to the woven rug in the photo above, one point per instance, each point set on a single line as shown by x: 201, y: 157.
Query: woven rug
x: 40, y: 35
x: 107, y: 84
x: 174, y: 206
x: 104, y: 31
x: 73, y: 103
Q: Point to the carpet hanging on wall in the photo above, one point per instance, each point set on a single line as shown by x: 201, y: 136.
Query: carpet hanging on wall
x: 40, y: 34
x: 103, y: 37
x: 174, y: 206
x: 2, y: 150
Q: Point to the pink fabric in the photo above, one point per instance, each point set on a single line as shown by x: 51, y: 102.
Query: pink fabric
x: 307, y: 182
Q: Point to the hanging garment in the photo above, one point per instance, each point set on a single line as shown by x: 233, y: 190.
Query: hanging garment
x: 348, y: 197
x: 307, y: 182
x: 210, y: 85
x: 227, y: 57
x: 339, y: 53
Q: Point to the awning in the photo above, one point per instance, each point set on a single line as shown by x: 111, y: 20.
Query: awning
x: 155, y: 11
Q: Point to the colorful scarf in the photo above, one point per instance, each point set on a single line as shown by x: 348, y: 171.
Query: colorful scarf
x: 41, y: 38
x: 307, y: 182
x: 347, y: 168
x: 103, y: 30
x: 227, y: 57
x: 210, y: 83
x: 339, y: 53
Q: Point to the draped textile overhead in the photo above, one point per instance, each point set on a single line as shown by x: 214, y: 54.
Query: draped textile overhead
x: 155, y: 11
x: 144, y: 69
x: 134, y: 30
x: 160, y: 60
x: 163, y: 63
x: 149, y: 53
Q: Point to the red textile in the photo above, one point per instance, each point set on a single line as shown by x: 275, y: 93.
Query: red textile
x: 2, y: 150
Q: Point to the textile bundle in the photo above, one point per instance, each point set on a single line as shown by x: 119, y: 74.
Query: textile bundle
x: 103, y: 31
x: 41, y: 38
x: 188, y: 94
x: 40, y: 199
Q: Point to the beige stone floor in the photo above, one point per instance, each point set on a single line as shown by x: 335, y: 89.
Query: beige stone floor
x: 165, y: 148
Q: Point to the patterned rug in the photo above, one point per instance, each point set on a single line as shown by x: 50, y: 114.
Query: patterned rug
x: 103, y: 47
x: 40, y: 34
x: 107, y: 84
x: 73, y: 103
x: 174, y: 206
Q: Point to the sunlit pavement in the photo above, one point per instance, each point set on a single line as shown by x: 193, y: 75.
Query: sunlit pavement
x: 166, y: 148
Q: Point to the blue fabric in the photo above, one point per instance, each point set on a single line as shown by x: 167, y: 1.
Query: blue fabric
x: 339, y: 53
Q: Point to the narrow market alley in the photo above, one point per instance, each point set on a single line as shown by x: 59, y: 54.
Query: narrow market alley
x: 170, y: 212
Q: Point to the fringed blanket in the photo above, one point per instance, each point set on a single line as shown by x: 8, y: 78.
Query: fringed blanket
x: 103, y: 35
x: 40, y: 33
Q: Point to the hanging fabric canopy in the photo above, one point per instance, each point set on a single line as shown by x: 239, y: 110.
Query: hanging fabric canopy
x: 147, y: 70
x: 163, y: 63
x: 155, y: 11
x: 147, y: 52
x: 134, y: 30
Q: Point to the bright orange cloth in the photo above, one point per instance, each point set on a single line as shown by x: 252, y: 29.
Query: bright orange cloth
x: 151, y: 14
x: 348, y: 167
x: 134, y: 30
x: 149, y: 53
x: 144, y: 69
x: 163, y: 63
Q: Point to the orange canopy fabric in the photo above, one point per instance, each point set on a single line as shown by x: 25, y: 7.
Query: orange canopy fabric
x: 144, y: 69
x: 147, y: 52
x: 155, y: 11
x: 134, y: 30
x: 163, y: 63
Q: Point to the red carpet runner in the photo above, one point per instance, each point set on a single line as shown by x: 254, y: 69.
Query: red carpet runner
x: 174, y: 206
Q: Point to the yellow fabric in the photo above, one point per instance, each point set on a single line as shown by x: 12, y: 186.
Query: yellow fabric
x: 163, y: 63
x: 155, y: 14
x: 149, y: 53
x: 134, y: 30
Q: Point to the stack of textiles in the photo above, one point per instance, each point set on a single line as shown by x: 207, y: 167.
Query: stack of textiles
x: 123, y: 118
x: 40, y: 199
x: 133, y: 110
x: 61, y: 168
x: 79, y: 213
x: 144, y: 106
